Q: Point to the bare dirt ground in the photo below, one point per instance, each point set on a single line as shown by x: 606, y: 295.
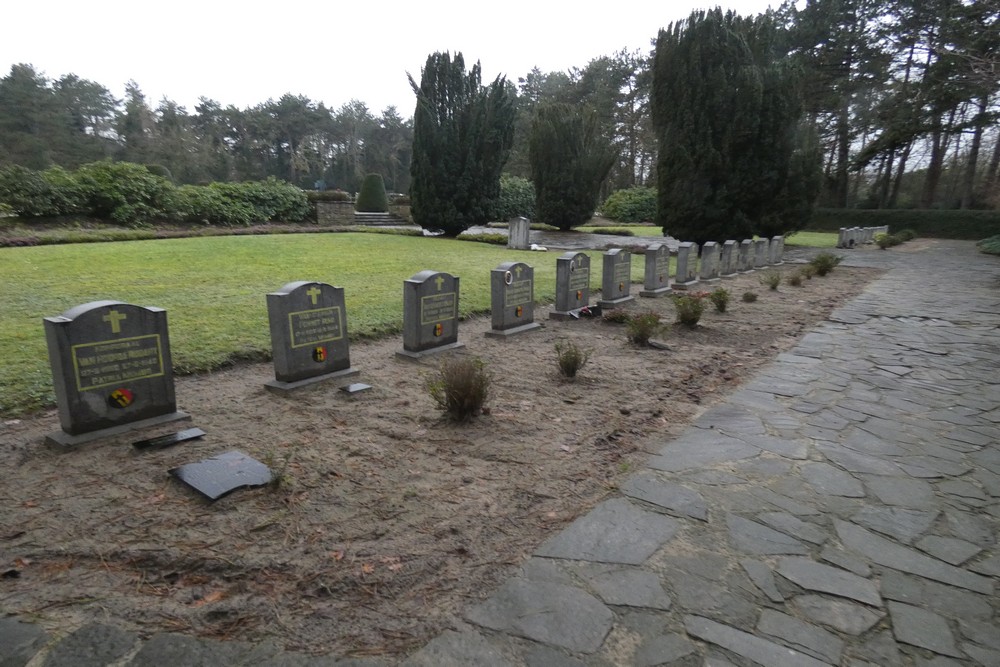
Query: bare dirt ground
x: 388, y: 519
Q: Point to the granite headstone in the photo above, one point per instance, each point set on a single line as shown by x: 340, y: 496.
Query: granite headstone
x: 656, y: 280
x: 572, y: 285
x: 616, y: 279
x: 745, y: 261
x: 512, y: 299
x: 430, y: 314
x: 761, y: 253
x: 728, y: 266
x: 687, y: 263
x: 710, y: 261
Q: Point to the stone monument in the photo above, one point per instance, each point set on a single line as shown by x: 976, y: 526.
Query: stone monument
x: 656, y: 280
x: 687, y: 262
x: 616, y: 279
x: 572, y: 285
x: 512, y: 299
x: 430, y: 314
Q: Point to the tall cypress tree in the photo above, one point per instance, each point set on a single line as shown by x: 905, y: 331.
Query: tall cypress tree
x: 462, y: 136
x: 570, y: 158
x: 726, y: 109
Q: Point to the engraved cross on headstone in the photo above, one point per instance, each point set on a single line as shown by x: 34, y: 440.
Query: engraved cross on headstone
x: 314, y: 293
x: 114, y: 318
x: 439, y: 281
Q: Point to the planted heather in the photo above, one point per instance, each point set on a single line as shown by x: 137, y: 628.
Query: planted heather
x: 689, y: 307
x: 570, y: 358
x: 642, y: 326
x: 462, y: 387
x: 720, y: 298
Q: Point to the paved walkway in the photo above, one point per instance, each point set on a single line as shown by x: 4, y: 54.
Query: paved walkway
x: 842, y: 508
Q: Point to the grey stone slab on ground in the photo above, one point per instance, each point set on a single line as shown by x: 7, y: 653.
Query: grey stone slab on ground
x: 763, y: 578
x: 458, y: 649
x: 539, y: 655
x: 754, y: 538
x: 792, y: 525
x: 815, y: 576
x: 902, y: 491
x: 919, y: 627
x: 698, y: 448
x: 747, y: 645
x: 627, y: 587
x: 941, y: 598
x: 890, y: 554
x: 676, y: 499
x: 841, y: 615
x: 173, y: 650
x: 832, y: 481
x: 663, y: 650
x: 20, y: 642
x: 93, y: 645
x: 802, y: 636
x: 545, y: 612
x: 903, y: 524
x: 616, y: 531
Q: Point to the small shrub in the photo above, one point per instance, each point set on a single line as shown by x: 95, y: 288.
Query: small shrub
x: 794, y: 279
x: 905, y: 235
x: 372, y: 197
x: 825, y: 262
x: 990, y: 246
x: 770, y: 278
x: 807, y: 271
x: 495, y: 239
x: 636, y: 204
x: 610, y: 231
x: 462, y: 387
x: 886, y: 241
x: 616, y: 316
x: 516, y: 200
x: 570, y: 357
x: 689, y: 307
x: 720, y: 298
x: 642, y: 326
x: 749, y: 297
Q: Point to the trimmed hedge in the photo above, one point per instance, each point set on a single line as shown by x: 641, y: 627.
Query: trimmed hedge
x: 637, y: 204
x: 990, y: 246
x: 372, y: 197
x: 967, y: 225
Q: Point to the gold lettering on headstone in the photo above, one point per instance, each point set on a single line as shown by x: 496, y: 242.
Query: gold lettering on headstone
x: 437, y: 308
x: 105, y: 363
x: 310, y: 327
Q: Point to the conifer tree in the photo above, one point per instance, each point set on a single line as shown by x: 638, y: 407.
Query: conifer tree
x: 570, y: 158
x: 462, y: 136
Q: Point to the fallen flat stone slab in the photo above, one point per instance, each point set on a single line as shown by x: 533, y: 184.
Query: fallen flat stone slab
x: 674, y: 498
x: 847, y: 617
x: 458, y: 648
x: 802, y: 636
x: 889, y: 554
x: 815, y: 576
x: 732, y: 418
x: 616, y: 531
x: 763, y: 578
x: 663, y: 650
x: 626, y: 587
x: 747, y: 645
x: 20, y: 641
x: 94, y: 645
x: 831, y: 481
x: 754, y: 538
x: 545, y: 612
x: 948, y: 549
x: 903, y: 524
x: 919, y: 627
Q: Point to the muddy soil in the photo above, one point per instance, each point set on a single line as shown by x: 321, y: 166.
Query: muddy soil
x: 386, y: 519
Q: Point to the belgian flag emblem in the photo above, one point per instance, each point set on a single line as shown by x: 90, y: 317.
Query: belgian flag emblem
x: 121, y: 398
x: 438, y: 329
x: 319, y: 354
x: 519, y: 311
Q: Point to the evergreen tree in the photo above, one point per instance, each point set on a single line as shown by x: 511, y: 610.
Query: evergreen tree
x: 570, y: 158
x: 462, y: 136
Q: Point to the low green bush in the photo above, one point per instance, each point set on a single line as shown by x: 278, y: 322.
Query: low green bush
x: 570, y: 358
x: 640, y: 327
x: 990, y: 246
x: 749, y: 297
x: 825, y: 262
x: 720, y: 298
x: 689, y: 307
x: 636, y: 204
x: 516, y: 200
x: 611, y: 231
x: 371, y: 198
x: 770, y: 279
x: 462, y: 387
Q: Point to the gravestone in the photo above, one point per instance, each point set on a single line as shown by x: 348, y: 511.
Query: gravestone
x: 572, y: 285
x: 308, y: 335
x: 512, y: 299
x: 111, y: 370
x: 778, y: 250
x: 842, y: 237
x: 616, y: 279
x: 710, y: 261
x: 519, y: 233
x: 430, y: 314
x: 687, y: 262
x: 761, y: 253
x: 728, y: 266
x: 746, y: 256
x: 657, y: 273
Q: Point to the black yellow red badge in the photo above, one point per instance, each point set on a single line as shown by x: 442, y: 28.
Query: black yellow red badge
x: 319, y: 354
x: 519, y: 312
x: 121, y: 398
x: 438, y: 329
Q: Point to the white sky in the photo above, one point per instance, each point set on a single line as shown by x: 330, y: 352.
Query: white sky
x: 244, y: 53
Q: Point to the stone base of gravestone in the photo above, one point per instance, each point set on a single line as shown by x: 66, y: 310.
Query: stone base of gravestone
x: 63, y: 439
x: 614, y: 303
x: 279, y: 387
x: 414, y: 356
x: 654, y: 293
x: 507, y: 333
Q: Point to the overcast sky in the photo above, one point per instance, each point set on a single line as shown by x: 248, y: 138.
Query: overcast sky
x: 245, y: 53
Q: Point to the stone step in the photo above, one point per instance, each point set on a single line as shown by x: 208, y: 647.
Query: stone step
x: 378, y: 219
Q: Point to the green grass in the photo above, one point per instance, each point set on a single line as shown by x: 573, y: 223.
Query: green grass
x: 214, y: 291
x: 812, y: 239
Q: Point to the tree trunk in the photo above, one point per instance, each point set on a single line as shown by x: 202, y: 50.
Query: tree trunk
x: 969, y: 180
x: 939, y: 144
x: 900, y: 172
x: 843, y: 153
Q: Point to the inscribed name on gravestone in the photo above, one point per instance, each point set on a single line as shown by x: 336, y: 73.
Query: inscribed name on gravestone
x: 308, y: 322
x: 687, y: 261
x: 616, y: 280
x: 512, y: 297
x: 656, y: 278
x: 111, y: 369
x: 430, y: 313
x: 572, y: 284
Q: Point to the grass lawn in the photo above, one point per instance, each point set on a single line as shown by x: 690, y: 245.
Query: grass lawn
x: 214, y: 291
x: 812, y: 239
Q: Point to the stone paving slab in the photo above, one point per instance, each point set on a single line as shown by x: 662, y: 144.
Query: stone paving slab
x: 842, y: 507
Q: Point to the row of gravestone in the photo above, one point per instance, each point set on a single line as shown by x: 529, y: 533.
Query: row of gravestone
x: 849, y: 237
x: 112, y: 368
